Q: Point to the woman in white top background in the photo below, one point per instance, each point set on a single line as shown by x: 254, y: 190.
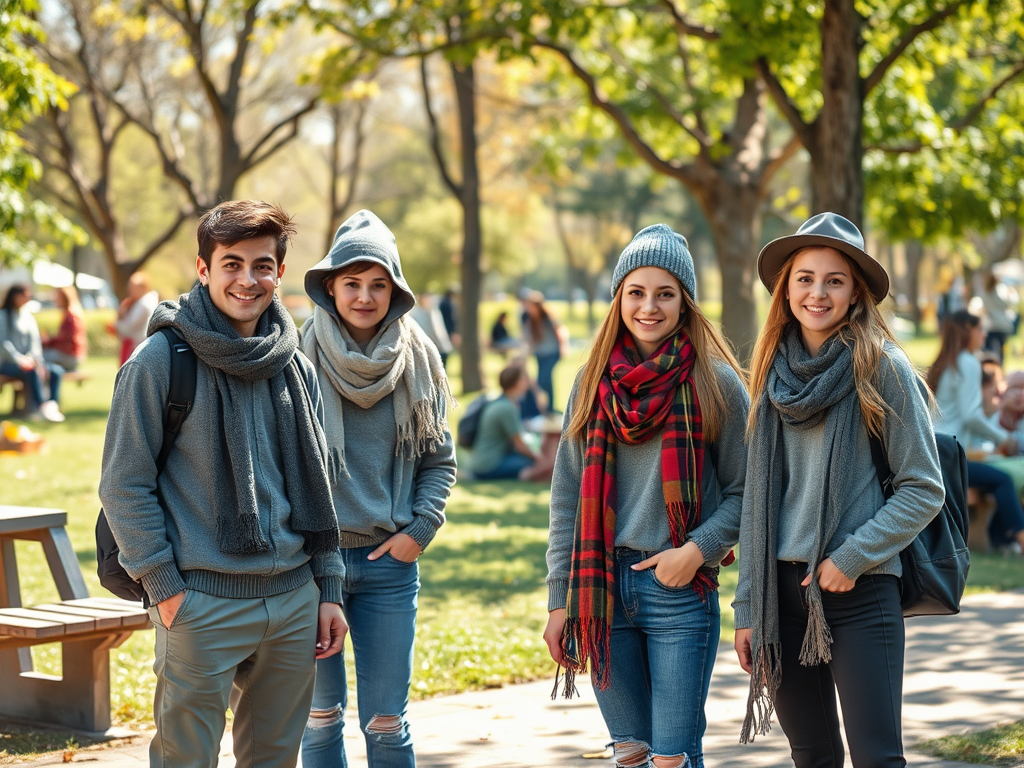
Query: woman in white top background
x: 955, y: 378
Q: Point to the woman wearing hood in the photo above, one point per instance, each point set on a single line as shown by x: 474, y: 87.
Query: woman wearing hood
x: 391, y: 463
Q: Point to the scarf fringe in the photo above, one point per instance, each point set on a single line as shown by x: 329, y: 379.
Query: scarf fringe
x: 817, y: 645
x: 428, y: 425
x: 241, y: 535
x: 570, y: 690
x: 336, y: 466
x: 765, y: 678
x: 586, y: 641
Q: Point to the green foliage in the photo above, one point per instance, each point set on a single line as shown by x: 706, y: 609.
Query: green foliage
x: 27, y: 88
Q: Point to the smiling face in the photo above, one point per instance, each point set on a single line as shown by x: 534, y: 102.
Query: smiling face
x: 652, y: 304
x: 820, y: 291
x: 362, y: 300
x: 242, y: 279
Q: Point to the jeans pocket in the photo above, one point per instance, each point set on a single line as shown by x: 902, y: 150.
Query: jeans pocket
x: 183, y: 610
x: 396, y: 560
x: 660, y: 583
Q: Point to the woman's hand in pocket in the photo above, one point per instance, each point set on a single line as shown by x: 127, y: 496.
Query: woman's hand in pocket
x: 674, y: 567
x: 830, y: 578
x: 401, y: 546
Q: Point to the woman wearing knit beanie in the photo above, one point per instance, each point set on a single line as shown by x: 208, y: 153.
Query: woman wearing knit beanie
x: 818, y: 602
x: 391, y: 463
x: 645, y: 505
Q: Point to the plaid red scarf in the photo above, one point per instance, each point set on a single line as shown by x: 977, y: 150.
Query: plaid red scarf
x: 635, y: 399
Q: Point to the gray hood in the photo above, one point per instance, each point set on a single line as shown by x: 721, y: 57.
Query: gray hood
x: 363, y: 237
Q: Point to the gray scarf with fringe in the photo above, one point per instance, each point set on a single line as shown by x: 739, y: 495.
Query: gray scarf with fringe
x: 270, y: 356
x: 801, y: 392
x: 400, y: 360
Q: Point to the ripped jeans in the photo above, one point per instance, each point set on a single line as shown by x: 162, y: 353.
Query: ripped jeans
x: 379, y: 600
x: 664, y: 642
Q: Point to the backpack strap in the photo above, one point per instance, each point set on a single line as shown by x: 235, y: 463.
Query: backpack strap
x: 881, y: 461
x: 181, y: 394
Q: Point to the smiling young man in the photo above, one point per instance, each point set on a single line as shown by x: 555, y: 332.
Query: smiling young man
x: 236, y: 540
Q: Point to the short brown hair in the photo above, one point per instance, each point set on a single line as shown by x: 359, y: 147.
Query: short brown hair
x: 510, y: 375
x: 237, y: 220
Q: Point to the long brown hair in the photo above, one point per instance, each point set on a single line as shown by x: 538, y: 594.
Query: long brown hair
x: 74, y: 306
x: 710, y: 346
x: 956, y: 335
x: 863, y: 330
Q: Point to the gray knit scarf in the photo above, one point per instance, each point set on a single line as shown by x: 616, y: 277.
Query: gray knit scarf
x: 801, y: 392
x: 269, y: 355
x: 400, y: 359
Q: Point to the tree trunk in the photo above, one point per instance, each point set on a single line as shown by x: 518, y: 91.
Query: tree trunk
x: 837, y: 152
x: 469, y: 319
x: 914, y: 253
x: 733, y: 212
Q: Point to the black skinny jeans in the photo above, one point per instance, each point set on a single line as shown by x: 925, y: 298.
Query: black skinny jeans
x: 866, y: 668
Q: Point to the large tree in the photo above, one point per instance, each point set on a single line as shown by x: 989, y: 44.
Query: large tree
x: 202, y: 82
x: 833, y: 69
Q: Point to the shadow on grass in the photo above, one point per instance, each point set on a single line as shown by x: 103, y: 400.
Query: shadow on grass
x: 504, y: 502
x: 488, y: 571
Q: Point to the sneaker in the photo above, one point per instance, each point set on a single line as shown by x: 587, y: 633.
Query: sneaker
x: 51, y: 411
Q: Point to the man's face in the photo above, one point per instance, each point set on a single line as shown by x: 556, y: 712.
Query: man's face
x: 242, y: 279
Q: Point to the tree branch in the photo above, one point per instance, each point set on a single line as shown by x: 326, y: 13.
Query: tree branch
x: 165, y: 237
x: 779, y: 158
x: 803, y: 129
x: 435, y: 134
x: 908, y: 37
x: 977, y: 109
x: 687, y: 28
x: 684, y: 173
x: 250, y: 159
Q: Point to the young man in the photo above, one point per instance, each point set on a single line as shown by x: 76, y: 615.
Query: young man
x: 236, y: 541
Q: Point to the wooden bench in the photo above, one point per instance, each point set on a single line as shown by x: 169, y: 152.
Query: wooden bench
x: 86, y: 627
x: 18, y: 387
x: 980, y: 508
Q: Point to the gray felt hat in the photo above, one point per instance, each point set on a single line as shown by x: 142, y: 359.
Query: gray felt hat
x: 830, y: 230
x: 657, y: 246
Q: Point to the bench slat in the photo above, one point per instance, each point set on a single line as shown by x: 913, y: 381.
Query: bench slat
x: 16, y: 626
x: 130, y: 614
x: 103, y: 619
x: 72, y: 623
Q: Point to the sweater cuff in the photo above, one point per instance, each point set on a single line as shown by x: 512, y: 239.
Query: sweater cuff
x: 330, y: 589
x: 558, y: 594
x: 850, y: 562
x: 421, y: 530
x: 162, y: 582
x: 709, y: 545
x: 741, y: 617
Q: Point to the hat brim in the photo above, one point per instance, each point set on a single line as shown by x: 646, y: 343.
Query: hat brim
x: 773, y: 256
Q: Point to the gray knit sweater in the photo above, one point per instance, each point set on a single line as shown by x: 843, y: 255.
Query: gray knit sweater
x: 871, y: 531
x: 641, y: 522
x: 174, y: 546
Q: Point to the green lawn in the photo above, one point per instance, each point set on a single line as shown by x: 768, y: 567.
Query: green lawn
x: 483, y: 602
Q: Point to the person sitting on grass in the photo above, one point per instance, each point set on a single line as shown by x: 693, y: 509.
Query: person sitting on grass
x: 500, y: 451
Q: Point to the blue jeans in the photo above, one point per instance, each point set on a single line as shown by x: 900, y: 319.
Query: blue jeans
x: 33, y: 384
x: 508, y: 468
x: 545, y: 375
x: 379, y: 600
x: 1008, y: 517
x: 664, y: 642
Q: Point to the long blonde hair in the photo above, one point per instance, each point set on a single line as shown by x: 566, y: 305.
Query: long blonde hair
x: 863, y: 330
x: 710, y: 346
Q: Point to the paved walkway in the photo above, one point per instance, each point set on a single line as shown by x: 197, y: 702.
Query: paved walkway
x: 963, y: 672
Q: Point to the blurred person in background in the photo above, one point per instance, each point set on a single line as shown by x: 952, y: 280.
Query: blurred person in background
x: 449, y: 307
x: 1000, y: 315
x: 548, y: 340
x: 134, y: 313
x: 429, y: 318
x: 21, y: 355
x: 68, y: 348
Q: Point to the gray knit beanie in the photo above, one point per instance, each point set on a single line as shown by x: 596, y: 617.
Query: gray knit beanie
x: 657, y: 246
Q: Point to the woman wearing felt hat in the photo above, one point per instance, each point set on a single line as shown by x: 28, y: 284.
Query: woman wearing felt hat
x: 645, y: 503
x: 818, y: 603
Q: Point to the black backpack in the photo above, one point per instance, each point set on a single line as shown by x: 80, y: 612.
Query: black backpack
x: 113, y: 576
x: 936, y: 562
x: 469, y: 424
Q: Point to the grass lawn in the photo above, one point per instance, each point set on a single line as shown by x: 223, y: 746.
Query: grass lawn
x: 483, y: 601
x: 1000, y: 746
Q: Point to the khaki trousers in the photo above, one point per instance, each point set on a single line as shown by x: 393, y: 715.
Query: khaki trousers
x: 264, y: 647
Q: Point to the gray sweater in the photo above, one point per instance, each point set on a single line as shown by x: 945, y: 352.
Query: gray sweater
x: 641, y: 522
x: 174, y: 546
x: 871, y: 531
x: 19, y: 335
x: 389, y: 494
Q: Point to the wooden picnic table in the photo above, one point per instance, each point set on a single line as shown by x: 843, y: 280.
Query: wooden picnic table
x: 87, y: 628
